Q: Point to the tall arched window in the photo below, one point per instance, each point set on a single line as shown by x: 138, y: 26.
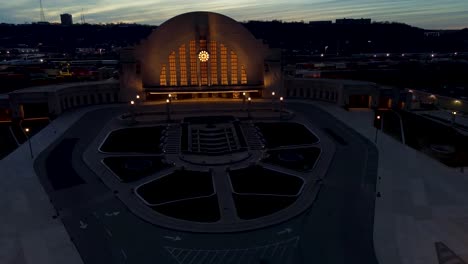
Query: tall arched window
x: 224, y: 76
x: 234, y: 69
x: 214, y: 62
x: 193, y: 63
x: 162, y: 76
x: 243, y: 75
x: 183, y: 66
x: 203, y: 64
x: 172, y: 69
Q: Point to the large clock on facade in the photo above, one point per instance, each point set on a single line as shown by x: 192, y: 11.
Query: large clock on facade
x: 203, y: 56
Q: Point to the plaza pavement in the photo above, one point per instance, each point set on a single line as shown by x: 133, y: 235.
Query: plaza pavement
x: 422, y: 202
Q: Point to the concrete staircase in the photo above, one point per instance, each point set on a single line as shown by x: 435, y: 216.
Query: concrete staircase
x: 252, y: 136
x: 172, y: 145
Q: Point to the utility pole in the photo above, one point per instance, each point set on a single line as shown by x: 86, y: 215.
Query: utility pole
x: 42, y: 12
x: 83, y: 20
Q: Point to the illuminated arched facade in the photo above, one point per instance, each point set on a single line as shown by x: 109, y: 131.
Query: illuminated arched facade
x: 196, y: 52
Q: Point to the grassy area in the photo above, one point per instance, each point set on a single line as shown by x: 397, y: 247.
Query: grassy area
x: 255, y: 206
x: 279, y: 134
x: 300, y: 159
x: 139, y: 139
x: 204, y: 209
x: 259, y: 180
x: 133, y: 168
x: 181, y: 184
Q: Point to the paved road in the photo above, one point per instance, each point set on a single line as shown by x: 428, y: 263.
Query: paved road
x: 336, y: 229
x: 339, y: 226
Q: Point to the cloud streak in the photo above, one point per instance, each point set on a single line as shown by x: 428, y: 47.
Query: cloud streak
x: 422, y: 13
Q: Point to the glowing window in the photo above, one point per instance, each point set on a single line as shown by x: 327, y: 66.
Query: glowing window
x: 234, y: 68
x: 243, y: 75
x: 213, y: 62
x: 172, y: 69
x: 183, y: 66
x: 223, y: 51
x: 162, y: 76
x: 203, y: 64
x: 193, y: 63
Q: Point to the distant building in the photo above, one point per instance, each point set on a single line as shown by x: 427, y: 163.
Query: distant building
x: 432, y: 34
x: 67, y: 19
x: 352, y: 21
x: 322, y: 22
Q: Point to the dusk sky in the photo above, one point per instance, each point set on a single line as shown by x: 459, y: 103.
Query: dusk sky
x: 429, y: 14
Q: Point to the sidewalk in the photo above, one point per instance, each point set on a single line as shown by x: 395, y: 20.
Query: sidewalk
x: 422, y: 201
x: 28, y: 232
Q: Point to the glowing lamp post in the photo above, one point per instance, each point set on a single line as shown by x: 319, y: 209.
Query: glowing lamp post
x: 454, y: 114
x: 273, y: 101
x: 248, y: 107
x: 132, y: 111
x: 243, y: 101
x: 379, y: 118
x: 168, y: 109
x: 26, y: 132
x: 281, y: 107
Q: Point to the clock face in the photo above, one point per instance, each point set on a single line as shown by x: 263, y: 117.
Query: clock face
x: 203, y: 56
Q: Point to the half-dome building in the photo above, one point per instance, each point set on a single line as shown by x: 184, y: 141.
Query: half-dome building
x: 199, y: 54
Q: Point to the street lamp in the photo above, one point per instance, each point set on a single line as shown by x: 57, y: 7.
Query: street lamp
x: 381, y: 127
x: 454, y: 114
x: 26, y: 130
x: 168, y: 109
x: 273, y: 101
x: 132, y: 111
x: 243, y: 101
x: 281, y: 107
x: 248, y: 107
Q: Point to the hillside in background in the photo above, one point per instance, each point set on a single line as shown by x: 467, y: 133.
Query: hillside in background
x: 302, y: 37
